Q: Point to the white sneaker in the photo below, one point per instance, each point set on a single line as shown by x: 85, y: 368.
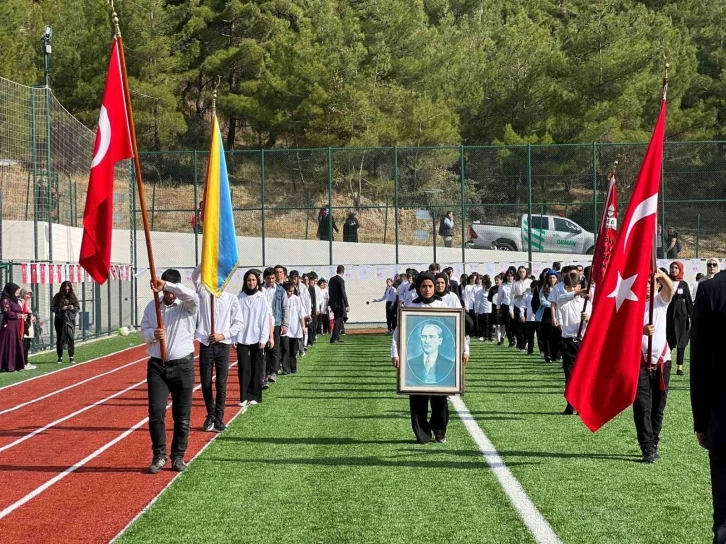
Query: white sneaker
x: 541, y: 354
x: 30, y: 367
x: 522, y: 351
x: 253, y: 402
x: 242, y: 404
x: 481, y: 339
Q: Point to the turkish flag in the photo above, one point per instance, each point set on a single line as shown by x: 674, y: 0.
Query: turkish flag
x: 605, y: 377
x: 113, y: 144
x: 607, y: 234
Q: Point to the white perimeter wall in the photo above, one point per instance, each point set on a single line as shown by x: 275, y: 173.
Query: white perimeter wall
x: 177, y: 250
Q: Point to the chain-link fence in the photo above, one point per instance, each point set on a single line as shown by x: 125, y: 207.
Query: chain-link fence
x: 45, y: 155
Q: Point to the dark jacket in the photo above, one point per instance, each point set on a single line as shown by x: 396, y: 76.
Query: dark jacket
x: 444, y: 229
x: 678, y: 316
x: 325, y: 223
x: 337, y: 297
x: 444, y: 374
x: 350, y: 230
x: 708, y: 362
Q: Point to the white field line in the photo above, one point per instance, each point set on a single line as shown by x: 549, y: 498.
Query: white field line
x: 75, y: 365
x: 24, y: 404
x: 152, y: 501
x: 58, y: 477
x: 535, y: 522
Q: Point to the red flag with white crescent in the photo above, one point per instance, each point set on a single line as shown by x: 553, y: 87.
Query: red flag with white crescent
x: 605, y: 377
x: 113, y: 144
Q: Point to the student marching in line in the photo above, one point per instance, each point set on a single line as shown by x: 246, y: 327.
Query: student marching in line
x: 425, y: 428
x: 310, y: 280
x: 469, y: 296
x: 214, y: 346
x: 324, y: 306
x: 389, y: 296
x: 570, y: 313
x: 296, y: 330
x: 549, y: 333
x: 492, y: 297
x: 527, y: 315
x: 521, y: 284
x: 506, y: 307
x: 276, y: 297
x: 483, y: 309
x: 256, y: 333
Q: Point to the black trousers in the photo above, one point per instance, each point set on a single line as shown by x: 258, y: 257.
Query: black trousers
x: 485, y: 330
x: 62, y: 338
x: 520, y: 330
x: 569, y: 350
x: 475, y: 325
x: 551, y: 339
x: 312, y: 329
x: 214, y: 356
x: 649, y: 406
x: 390, y: 318
x: 680, y: 355
x: 530, y: 327
x: 337, y: 327
x: 26, y: 349
x: 273, y: 355
x: 506, y: 320
x: 250, y: 371
x: 422, y: 426
x: 289, y: 363
x: 175, y: 377
x: 325, y: 323
x: 284, y: 352
x: 717, y: 462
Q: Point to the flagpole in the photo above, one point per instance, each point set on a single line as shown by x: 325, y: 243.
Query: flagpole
x: 654, y: 251
x: 592, y: 262
x: 139, y: 181
x: 214, y: 115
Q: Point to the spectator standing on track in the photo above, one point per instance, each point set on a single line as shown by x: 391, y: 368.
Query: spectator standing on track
x: 175, y: 375
x: 214, y: 348
x: 29, y: 325
x: 678, y: 316
x: 65, y: 308
x: 11, y: 331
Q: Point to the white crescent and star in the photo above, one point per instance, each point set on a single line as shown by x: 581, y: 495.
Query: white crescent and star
x: 646, y: 208
x: 624, y: 291
x: 104, y: 131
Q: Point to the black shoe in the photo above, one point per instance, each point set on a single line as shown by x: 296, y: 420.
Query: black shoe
x: 336, y: 341
x: 568, y: 411
x: 656, y: 455
x: 219, y: 427
x: 208, y: 424
x: 286, y: 373
x: 440, y: 439
x: 679, y: 372
x: 649, y: 458
x: 547, y: 359
x: 178, y: 465
x: 265, y: 385
x: 500, y: 343
x: 157, y: 464
x: 272, y: 378
x: 511, y: 344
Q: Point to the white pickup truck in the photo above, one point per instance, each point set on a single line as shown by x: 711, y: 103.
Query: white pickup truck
x: 550, y: 234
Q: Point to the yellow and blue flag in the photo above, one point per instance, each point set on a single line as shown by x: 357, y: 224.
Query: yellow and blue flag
x: 219, y: 244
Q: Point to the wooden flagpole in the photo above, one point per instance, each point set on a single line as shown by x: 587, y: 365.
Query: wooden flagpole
x: 211, y: 295
x: 654, y: 262
x: 139, y: 181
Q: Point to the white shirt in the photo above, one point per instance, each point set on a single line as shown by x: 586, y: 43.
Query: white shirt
x: 556, y: 291
x: 396, y: 337
x: 269, y: 293
x: 469, y: 294
x: 307, y: 302
x: 520, y: 286
x: 319, y: 299
x: 659, y: 338
x: 256, y: 319
x: 297, y: 313
x: 403, y: 288
x: 569, y: 314
x: 481, y: 302
x: 450, y: 300
x: 526, y: 305
x: 180, y: 322
x: 504, y: 295
x: 227, y: 315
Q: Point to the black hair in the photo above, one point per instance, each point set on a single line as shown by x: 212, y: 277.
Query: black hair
x: 287, y: 286
x: 268, y: 272
x: 340, y: 269
x: 280, y: 266
x: 171, y: 275
x: 557, y: 265
x: 293, y: 274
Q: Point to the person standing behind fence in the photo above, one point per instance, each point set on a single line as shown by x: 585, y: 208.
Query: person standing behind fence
x: 175, y: 374
x: 350, y: 228
x: 214, y: 346
x: 65, y: 308
x: 29, y: 325
x: 446, y: 228
x: 11, y: 331
x: 673, y: 244
x: 326, y: 225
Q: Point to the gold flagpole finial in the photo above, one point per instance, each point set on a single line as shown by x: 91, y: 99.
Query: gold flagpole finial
x: 214, y: 96
x: 615, y: 167
x: 114, y: 18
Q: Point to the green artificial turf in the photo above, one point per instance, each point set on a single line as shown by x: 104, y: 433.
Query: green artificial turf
x: 329, y: 458
x: 46, y: 360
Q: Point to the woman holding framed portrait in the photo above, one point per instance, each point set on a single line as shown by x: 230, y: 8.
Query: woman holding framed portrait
x: 429, y: 348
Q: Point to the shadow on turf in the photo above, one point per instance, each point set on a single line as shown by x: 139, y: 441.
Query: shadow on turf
x: 308, y: 441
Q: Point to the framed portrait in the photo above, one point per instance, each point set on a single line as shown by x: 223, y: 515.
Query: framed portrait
x: 431, y: 343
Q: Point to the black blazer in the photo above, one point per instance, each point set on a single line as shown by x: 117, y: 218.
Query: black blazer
x: 338, y: 299
x: 708, y: 362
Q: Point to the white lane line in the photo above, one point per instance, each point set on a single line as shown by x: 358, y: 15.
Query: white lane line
x: 535, y: 522
x: 58, y: 477
x: 66, y: 418
x: 75, y: 365
x: 24, y: 404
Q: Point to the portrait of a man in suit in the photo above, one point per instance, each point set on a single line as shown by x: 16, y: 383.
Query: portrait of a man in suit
x: 431, y: 366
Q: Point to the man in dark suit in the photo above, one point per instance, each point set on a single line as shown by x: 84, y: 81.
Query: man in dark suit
x: 708, y: 390
x: 431, y: 367
x: 338, y: 302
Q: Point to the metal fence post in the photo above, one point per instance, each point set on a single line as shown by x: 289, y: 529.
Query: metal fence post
x: 698, y: 233
x: 385, y: 223
x: 262, y: 202
x: 594, y: 190
x: 134, y: 279
x: 84, y: 321
x: 196, y: 216
x: 529, y: 204
x: 331, y: 222
x: 108, y: 304
x: 463, y: 205
x: 395, y: 196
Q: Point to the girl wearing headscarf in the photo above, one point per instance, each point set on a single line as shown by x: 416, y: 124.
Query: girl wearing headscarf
x: 28, y: 325
x: 443, y: 291
x: 424, y: 428
x: 252, y: 339
x: 65, y: 308
x: 678, y: 315
x: 11, y: 330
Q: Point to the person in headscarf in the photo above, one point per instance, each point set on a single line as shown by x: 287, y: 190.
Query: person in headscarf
x: 425, y: 428
x: 449, y: 299
x: 28, y: 325
x: 11, y: 329
x: 65, y: 308
x: 678, y: 315
x: 252, y: 339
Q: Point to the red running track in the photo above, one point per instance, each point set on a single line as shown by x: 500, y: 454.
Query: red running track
x: 74, y: 447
